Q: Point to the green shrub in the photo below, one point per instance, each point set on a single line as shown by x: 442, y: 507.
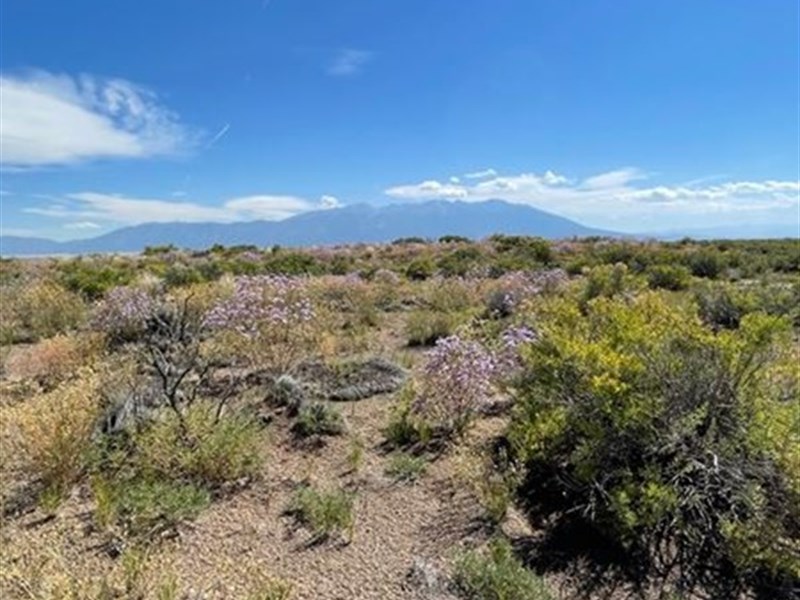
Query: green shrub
x: 144, y: 508
x: 454, y: 296
x: 498, y: 575
x: 319, y: 418
x: 159, y: 250
x: 706, y: 263
x: 420, y: 269
x: 606, y: 280
x: 208, y: 452
x: 460, y: 262
x: 284, y: 262
x: 325, y: 513
x: 404, y: 428
x: 406, y: 467
x: 93, y: 278
x: 670, y: 438
x: 718, y: 308
x: 496, y: 495
x: 668, y: 277
x: 425, y: 327
x: 525, y: 252
x: 180, y: 275
x: 454, y: 239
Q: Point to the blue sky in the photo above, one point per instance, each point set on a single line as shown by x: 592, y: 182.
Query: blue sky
x: 626, y: 114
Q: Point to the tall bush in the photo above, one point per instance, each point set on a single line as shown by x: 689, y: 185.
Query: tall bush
x: 680, y: 443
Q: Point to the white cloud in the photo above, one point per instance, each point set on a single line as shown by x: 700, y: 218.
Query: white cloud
x: 428, y: 190
x: 480, y: 174
x: 107, y: 207
x: 82, y: 225
x: 91, y: 209
x: 275, y: 208
x: 59, y: 120
x: 348, y: 62
x: 616, y: 199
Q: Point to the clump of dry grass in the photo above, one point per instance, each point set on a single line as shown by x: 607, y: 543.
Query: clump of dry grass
x: 37, y: 568
x: 40, y: 310
x: 46, y: 437
x: 55, y: 359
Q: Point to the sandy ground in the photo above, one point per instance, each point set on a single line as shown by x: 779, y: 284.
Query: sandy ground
x: 249, y: 534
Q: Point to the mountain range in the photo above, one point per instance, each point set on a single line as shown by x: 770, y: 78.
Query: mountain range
x: 363, y: 223
x: 349, y: 224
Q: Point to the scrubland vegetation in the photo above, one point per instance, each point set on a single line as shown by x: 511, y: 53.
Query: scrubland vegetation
x: 506, y: 419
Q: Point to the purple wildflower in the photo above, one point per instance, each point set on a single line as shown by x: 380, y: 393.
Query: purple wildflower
x: 457, y: 380
x: 124, y: 312
x: 261, y: 301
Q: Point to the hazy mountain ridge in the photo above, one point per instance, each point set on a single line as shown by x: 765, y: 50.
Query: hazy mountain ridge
x: 362, y: 223
x: 349, y: 224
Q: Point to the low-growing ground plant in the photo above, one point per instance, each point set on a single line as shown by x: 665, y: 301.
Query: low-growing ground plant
x: 318, y: 419
x: 325, y: 512
x: 426, y: 327
x: 269, y: 589
x: 147, y: 481
x: 497, y: 575
x: 404, y: 428
x: 209, y: 451
x: 404, y: 467
x: 143, y: 508
x: 355, y: 454
x: 496, y: 495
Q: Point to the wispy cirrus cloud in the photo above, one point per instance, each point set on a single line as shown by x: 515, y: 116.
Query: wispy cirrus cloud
x: 348, y: 62
x: 91, y: 210
x: 620, y: 198
x: 219, y: 135
x: 54, y: 120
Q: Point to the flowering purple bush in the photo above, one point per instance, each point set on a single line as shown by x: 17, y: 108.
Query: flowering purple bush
x: 508, y: 360
x: 271, y: 314
x: 456, y: 381
x: 261, y: 301
x: 515, y: 287
x: 124, y: 312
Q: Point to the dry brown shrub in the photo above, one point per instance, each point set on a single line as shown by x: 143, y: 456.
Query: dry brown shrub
x: 55, y: 359
x: 45, y: 438
x: 46, y: 308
